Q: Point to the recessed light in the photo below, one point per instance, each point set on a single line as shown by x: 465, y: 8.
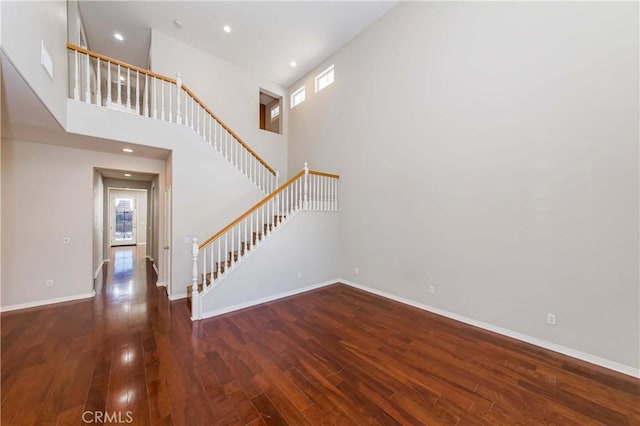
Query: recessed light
x: 127, y: 149
x: 127, y: 174
x: 293, y: 64
x: 227, y: 29
x: 118, y: 36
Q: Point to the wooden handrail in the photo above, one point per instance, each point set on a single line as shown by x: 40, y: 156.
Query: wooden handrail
x: 228, y: 129
x: 251, y: 210
x: 122, y: 64
x: 186, y: 89
x: 315, y: 172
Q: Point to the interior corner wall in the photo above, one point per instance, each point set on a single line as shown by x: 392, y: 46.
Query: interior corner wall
x: 98, y: 220
x: 47, y: 195
x: 491, y: 150
x: 232, y: 93
x: 25, y: 26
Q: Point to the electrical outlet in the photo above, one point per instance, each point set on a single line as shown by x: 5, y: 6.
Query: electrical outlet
x: 299, y: 274
x: 551, y: 319
x: 357, y: 270
x: 48, y: 283
x: 66, y: 240
x: 432, y: 289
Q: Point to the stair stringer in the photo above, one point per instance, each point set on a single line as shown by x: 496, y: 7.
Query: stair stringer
x: 306, y: 242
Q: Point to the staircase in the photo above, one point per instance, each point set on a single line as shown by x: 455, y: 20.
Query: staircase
x: 219, y: 255
x: 107, y: 82
x: 100, y: 80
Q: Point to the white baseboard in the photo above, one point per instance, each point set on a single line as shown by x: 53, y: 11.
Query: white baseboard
x: 593, y: 359
x: 178, y: 296
x: 47, y: 302
x: 105, y: 260
x: 260, y: 301
x: 141, y: 244
x: 161, y: 284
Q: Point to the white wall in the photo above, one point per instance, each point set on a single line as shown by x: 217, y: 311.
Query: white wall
x: 232, y: 93
x: 491, y: 150
x: 208, y: 191
x: 47, y: 194
x: 307, y: 243
x: 24, y: 26
x: 98, y: 221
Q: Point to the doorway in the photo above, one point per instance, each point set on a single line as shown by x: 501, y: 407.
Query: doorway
x: 124, y: 230
x: 127, y: 217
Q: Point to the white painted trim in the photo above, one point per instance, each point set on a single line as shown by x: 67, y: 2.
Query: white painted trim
x: 142, y: 244
x: 161, y: 284
x: 155, y: 268
x: 593, y: 359
x: 47, y: 301
x: 239, y: 306
x: 95, y: 276
x: 106, y: 260
x: 178, y: 296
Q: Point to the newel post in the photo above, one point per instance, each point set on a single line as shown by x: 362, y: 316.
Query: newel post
x: 305, y: 202
x: 178, y: 90
x: 195, y: 296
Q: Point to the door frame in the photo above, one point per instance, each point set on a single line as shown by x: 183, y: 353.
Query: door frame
x: 111, y: 210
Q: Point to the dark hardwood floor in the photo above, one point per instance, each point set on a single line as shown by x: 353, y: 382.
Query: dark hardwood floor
x: 334, y: 356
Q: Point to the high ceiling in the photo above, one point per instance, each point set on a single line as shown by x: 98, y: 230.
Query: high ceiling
x: 265, y: 36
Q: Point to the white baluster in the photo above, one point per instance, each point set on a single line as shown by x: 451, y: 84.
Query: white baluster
x: 162, y: 84
x: 210, y: 120
x: 178, y: 91
x: 87, y: 87
x: 204, y: 268
x: 277, y: 176
x: 170, y: 104
x: 226, y: 251
x: 246, y: 241
x: 193, y: 102
x: 98, y: 83
x: 128, y: 89
x: 119, y: 88
x: 76, y: 84
x: 155, y: 98
x: 137, y: 92
x: 233, y: 261
x: 219, y: 257
x: 109, y: 84
x: 195, y: 297
x: 199, y: 108
x: 305, y: 203
x: 146, y: 95
x: 213, y: 265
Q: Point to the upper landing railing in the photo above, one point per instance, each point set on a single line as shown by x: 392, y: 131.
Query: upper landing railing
x: 100, y: 80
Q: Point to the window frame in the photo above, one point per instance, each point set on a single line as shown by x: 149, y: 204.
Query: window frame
x: 327, y: 71
x: 302, y: 90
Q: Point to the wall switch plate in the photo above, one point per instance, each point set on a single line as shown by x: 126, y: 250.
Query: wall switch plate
x: 48, y: 283
x: 432, y: 289
x: 299, y: 274
x: 357, y: 270
x: 551, y: 319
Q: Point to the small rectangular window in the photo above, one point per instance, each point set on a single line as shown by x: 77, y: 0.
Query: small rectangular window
x: 324, y: 79
x: 298, y: 97
x: 275, y: 112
